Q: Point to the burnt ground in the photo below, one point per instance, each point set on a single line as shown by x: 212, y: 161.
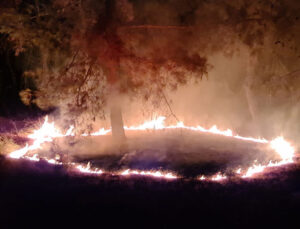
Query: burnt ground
x: 186, y: 153
x: 39, y: 194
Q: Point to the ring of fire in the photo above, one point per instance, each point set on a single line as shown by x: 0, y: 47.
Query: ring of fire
x: 48, y: 132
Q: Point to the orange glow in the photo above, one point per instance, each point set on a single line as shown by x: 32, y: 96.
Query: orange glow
x: 87, y: 169
x: 19, y: 153
x: 253, y: 170
x: 166, y: 175
x: 238, y: 171
x: 48, y: 132
x: 218, y: 177
x: 202, y: 177
x: 283, y: 148
x: 159, y: 124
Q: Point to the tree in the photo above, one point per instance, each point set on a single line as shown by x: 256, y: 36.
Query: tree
x: 102, y: 55
x: 94, y: 51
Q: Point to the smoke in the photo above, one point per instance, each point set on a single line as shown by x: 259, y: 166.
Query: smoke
x: 228, y: 98
x: 231, y: 97
x: 184, y: 152
x: 249, y: 86
x: 252, y: 83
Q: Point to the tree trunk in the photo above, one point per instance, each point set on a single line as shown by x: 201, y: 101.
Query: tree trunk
x: 117, y: 125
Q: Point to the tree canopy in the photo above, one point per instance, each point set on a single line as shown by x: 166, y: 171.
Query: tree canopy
x: 89, y: 51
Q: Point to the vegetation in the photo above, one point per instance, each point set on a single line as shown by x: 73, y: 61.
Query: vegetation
x: 84, y: 55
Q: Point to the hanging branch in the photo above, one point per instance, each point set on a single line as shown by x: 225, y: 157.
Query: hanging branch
x: 72, y: 62
x: 89, y: 71
x: 169, y: 106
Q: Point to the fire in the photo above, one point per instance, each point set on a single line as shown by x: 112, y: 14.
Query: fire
x: 35, y: 157
x: 166, y: 175
x: 102, y: 131
x: 53, y: 161
x: 283, y: 148
x: 45, y: 134
x: 202, y: 177
x: 253, y: 170
x: 238, y: 171
x: 48, y: 132
x: 218, y: 177
x: 87, y: 169
x: 157, y: 124
x: 19, y: 153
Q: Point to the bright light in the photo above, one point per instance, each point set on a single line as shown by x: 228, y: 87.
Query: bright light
x: 283, y: 148
x: 218, y: 177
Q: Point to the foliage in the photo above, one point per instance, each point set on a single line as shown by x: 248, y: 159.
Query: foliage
x: 93, y: 50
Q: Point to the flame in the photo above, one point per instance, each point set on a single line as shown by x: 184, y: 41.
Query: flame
x: 283, y: 148
x: 45, y: 134
x: 102, y: 131
x: 166, y: 175
x: 202, y: 178
x: 70, y: 131
x: 157, y: 124
x: 19, y: 153
x: 253, y: 170
x: 87, y: 169
x: 218, y: 177
x: 35, y: 157
x: 53, y: 161
x: 48, y: 132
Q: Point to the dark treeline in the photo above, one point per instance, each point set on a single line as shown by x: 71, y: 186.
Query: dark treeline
x: 12, y: 82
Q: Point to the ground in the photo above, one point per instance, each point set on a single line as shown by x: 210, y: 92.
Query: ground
x: 39, y: 194
x: 187, y: 153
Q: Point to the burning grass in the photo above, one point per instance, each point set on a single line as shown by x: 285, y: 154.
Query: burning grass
x: 170, y: 142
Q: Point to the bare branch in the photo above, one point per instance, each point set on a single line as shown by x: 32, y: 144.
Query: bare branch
x: 169, y: 106
x: 72, y: 62
x: 83, y: 82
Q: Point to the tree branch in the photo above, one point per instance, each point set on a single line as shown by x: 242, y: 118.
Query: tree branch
x: 72, y: 62
x: 168, y: 104
x: 83, y: 82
